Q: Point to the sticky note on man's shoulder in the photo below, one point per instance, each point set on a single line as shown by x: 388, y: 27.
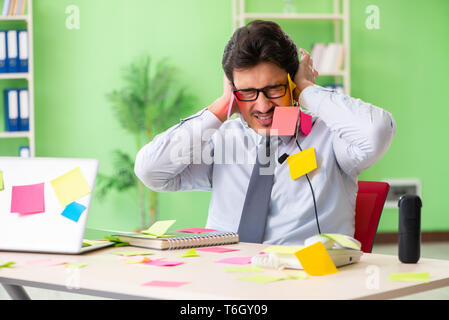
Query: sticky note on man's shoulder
x: 315, y: 260
x: 301, y: 163
x: 284, y: 121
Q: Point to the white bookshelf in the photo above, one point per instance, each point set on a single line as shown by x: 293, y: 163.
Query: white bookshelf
x: 29, y: 76
x: 339, y: 16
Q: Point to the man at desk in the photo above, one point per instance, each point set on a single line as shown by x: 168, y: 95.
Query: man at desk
x: 347, y: 134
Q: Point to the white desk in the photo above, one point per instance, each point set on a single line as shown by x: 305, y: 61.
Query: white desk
x: 107, y: 275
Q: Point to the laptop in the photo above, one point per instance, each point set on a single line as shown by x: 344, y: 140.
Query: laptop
x: 44, y: 204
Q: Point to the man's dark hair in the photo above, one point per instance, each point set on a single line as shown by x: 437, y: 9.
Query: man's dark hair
x: 260, y: 41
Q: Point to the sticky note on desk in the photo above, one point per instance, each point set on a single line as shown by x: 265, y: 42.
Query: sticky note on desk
x: 189, y: 254
x: 410, y: 277
x: 168, y: 284
x: 70, y: 187
x: 159, y: 228
x: 315, y: 260
x: 195, y: 230
x: 284, y: 121
x: 28, y: 199
x: 301, y: 163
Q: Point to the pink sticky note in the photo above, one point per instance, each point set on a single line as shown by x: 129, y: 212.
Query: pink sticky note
x: 236, y: 260
x: 284, y: 121
x: 28, y: 199
x: 195, y: 230
x: 231, y: 101
x: 306, y: 123
x: 170, y: 284
x: 217, y: 249
x: 163, y: 263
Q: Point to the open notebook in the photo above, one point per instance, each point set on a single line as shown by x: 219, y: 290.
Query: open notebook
x: 179, y: 240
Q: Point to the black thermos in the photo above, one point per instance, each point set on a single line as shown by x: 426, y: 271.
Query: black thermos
x: 409, y: 228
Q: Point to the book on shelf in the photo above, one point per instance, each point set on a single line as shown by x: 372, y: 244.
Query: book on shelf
x: 178, y: 240
x: 328, y: 58
x: 13, y: 7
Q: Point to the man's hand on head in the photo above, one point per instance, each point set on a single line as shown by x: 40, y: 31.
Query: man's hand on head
x: 306, y: 74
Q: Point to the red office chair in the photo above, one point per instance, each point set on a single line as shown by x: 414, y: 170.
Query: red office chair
x: 368, y: 208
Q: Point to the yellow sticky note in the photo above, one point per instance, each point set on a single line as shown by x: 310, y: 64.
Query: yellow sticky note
x: 342, y: 240
x: 315, y: 260
x: 136, y: 260
x: 291, y: 85
x: 70, y: 186
x: 283, y: 249
x: 410, y: 277
x: 261, y: 278
x: 1, y: 181
x: 301, y: 163
x: 159, y: 228
x: 190, y: 253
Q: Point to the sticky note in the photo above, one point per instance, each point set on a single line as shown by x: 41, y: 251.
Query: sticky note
x: 195, y: 230
x: 283, y: 249
x: 243, y: 269
x: 132, y: 253
x: 235, y: 260
x: 70, y: 186
x: 93, y: 242
x: 168, y: 284
x: 284, y: 121
x: 163, y: 263
x: 296, y: 275
x: 189, y: 254
x: 75, y: 265
x: 316, y: 260
x: 9, y: 264
x: 2, y: 186
x: 342, y: 240
x: 73, y: 211
x: 305, y: 123
x: 136, y: 260
x: 28, y: 199
x: 291, y: 86
x: 301, y: 163
x: 410, y: 277
x: 159, y: 228
x: 231, y: 102
x: 217, y: 249
x: 260, y: 278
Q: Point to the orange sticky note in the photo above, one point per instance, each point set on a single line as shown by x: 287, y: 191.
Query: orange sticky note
x: 315, y: 260
x: 301, y: 163
x: 291, y: 85
x: 70, y: 186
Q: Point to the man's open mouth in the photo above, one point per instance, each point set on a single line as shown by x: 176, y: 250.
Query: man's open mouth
x: 265, y: 119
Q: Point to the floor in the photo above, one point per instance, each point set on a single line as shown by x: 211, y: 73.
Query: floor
x: 435, y: 250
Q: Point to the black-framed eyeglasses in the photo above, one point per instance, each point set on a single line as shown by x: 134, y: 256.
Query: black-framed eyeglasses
x: 270, y: 92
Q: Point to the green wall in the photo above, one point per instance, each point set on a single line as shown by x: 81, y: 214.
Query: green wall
x: 399, y: 67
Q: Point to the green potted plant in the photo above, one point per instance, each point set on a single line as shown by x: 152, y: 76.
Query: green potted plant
x: 148, y: 103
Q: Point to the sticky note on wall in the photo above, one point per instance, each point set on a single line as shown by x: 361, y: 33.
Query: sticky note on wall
x: 315, y: 260
x: 70, y: 186
x: 301, y: 163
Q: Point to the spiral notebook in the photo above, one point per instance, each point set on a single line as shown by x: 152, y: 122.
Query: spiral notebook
x: 179, y: 240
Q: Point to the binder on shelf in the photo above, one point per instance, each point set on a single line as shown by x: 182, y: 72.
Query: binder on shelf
x: 24, y: 151
x: 11, y: 110
x: 12, y: 7
x: 12, y: 57
x: 5, y: 8
x: 20, y: 9
x: 22, y: 39
x: 3, y: 67
x: 24, y: 110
